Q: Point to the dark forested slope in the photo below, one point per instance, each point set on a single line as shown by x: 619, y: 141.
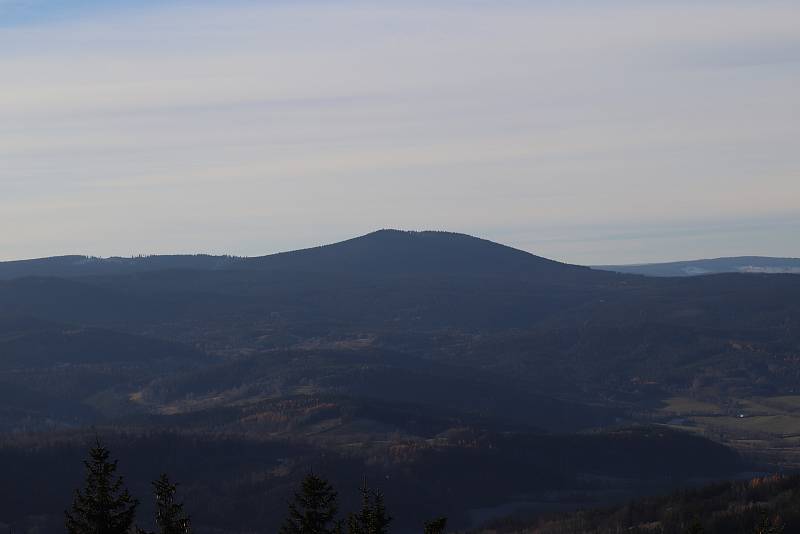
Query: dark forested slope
x: 765, y: 505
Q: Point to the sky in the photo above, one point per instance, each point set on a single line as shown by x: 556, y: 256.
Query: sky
x: 593, y: 132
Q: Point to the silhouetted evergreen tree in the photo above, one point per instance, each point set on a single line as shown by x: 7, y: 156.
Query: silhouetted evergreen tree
x: 104, y: 506
x: 436, y: 526
x: 768, y: 526
x: 313, y: 509
x: 695, y: 527
x: 380, y: 517
x: 170, y: 517
x: 372, y: 518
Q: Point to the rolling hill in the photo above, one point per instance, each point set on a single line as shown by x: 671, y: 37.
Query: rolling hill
x: 740, y: 264
x: 56, y: 375
x: 76, y: 265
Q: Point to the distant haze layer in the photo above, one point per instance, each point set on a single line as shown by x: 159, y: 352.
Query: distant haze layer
x: 603, y: 132
x: 745, y: 264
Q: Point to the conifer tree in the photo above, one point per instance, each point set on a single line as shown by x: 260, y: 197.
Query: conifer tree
x: 372, y: 518
x: 380, y: 517
x: 358, y: 523
x: 436, y: 526
x: 695, y: 527
x: 103, y: 506
x: 170, y: 517
x: 313, y: 509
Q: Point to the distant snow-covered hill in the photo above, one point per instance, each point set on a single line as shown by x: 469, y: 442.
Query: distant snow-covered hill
x: 741, y: 264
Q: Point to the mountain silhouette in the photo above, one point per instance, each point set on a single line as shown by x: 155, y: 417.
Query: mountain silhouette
x: 381, y: 252
x: 403, y: 252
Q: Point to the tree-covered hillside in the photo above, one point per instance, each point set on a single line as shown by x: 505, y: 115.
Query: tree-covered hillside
x: 440, y: 360
x: 765, y: 505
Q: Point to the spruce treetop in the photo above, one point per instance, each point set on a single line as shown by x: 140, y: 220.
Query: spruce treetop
x: 103, y: 505
x: 313, y: 509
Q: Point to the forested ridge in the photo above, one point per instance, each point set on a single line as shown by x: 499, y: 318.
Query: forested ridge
x: 237, y: 483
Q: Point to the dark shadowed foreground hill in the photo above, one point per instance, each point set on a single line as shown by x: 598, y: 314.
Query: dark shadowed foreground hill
x: 760, y: 505
x: 239, y: 484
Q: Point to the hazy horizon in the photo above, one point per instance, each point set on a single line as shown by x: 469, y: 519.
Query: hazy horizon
x: 594, y: 133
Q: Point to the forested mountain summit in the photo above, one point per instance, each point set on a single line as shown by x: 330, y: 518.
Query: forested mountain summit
x: 404, y: 252
x: 383, y: 251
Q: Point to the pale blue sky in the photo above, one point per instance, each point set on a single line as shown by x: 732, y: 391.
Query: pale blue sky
x: 590, y: 132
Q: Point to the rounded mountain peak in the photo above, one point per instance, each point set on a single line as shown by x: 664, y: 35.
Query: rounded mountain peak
x: 390, y: 251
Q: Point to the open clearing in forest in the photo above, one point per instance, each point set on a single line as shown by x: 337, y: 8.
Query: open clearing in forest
x: 767, y: 428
